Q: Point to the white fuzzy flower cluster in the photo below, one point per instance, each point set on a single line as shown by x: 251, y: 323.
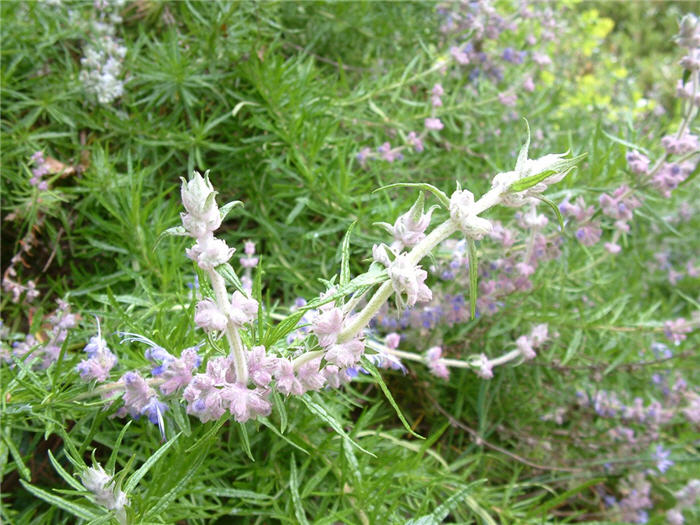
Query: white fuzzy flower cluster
x: 104, y: 493
x: 202, y: 219
x: 464, y: 216
x: 102, y: 63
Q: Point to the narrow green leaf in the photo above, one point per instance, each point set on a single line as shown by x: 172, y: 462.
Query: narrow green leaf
x: 345, y: 257
x: 522, y: 156
x: 473, y: 274
x: 555, y: 209
x: 14, y: 452
x: 573, y: 346
x: 245, y: 441
x: 143, y: 470
x: 62, y: 472
x: 377, y: 376
x: 274, y: 430
x: 320, y: 411
x: 294, y: 489
x: 562, y: 498
x: 441, y: 196
x: 57, y: 501
x: 112, y: 461
x: 229, y: 274
x: 175, y: 231
x: 227, y: 208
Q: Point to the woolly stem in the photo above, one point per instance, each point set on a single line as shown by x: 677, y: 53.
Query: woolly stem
x: 240, y: 365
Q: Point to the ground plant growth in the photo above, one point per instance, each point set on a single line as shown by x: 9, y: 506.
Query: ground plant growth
x: 350, y: 262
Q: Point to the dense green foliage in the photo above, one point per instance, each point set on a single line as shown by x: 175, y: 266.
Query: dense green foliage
x: 277, y: 99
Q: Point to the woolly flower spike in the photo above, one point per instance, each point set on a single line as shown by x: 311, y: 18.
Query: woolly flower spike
x: 409, y: 228
x: 435, y: 364
x: 208, y: 316
x: 104, y: 493
x: 213, y: 393
x: 408, y: 279
x: 462, y: 214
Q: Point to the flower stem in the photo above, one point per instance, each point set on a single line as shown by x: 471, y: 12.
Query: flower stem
x: 240, y: 366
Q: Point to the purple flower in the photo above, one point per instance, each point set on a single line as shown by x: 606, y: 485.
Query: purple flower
x: 243, y: 309
x: 345, y: 354
x: 327, y: 326
x: 415, y: 141
x: 435, y: 363
x: 661, y: 457
x: 261, y: 367
x: 286, y: 380
x: 459, y: 55
x: 434, y: 124
x: 676, y: 330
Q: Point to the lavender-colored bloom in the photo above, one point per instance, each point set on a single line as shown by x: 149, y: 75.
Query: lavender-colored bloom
x: 415, y: 141
x: 409, y: 228
x: 208, y: 317
x: 100, y: 359
x: 213, y: 393
x: 210, y: 252
x: 137, y: 393
x: 286, y: 381
x: 459, y: 55
x: 335, y: 376
x: 345, y: 354
x: 433, y: 124
x: 261, y: 367
x: 675, y: 330
x: 589, y: 234
x: 484, y: 368
x: 539, y: 335
x: 249, y: 261
x: 637, y: 162
x: 243, y: 309
x: 387, y: 153
x: 661, y: 456
x: 435, y: 363
x: 327, y: 326
x: 311, y: 376
x: 675, y: 517
x: 528, y: 84
x: 408, y: 279
x: 392, y: 340
x: 177, y: 372
x: 525, y: 347
x: 507, y: 99
x: 692, y: 410
x: 363, y: 155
